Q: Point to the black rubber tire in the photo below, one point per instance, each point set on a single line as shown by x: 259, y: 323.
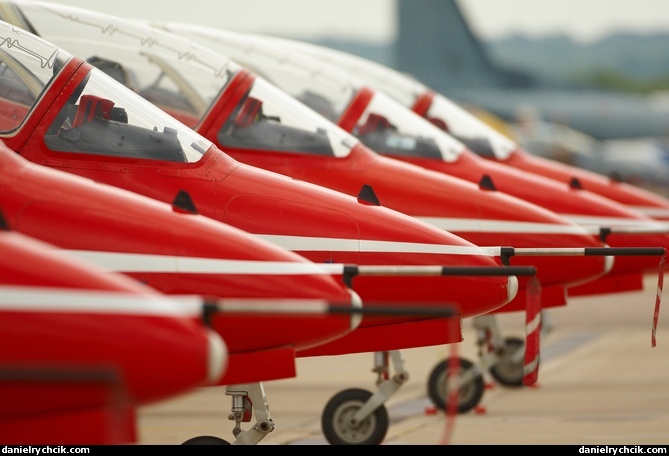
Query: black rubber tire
x: 206, y: 440
x: 469, y: 395
x: 335, y: 421
x: 507, y: 372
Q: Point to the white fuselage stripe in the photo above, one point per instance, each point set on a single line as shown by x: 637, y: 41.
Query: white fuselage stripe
x: 579, y: 224
x: 49, y: 299
x: 308, y: 244
x: 500, y: 226
x: 654, y: 212
x: 612, y: 222
x: 137, y: 262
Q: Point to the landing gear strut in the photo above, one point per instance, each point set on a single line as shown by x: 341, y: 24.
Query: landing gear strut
x: 246, y: 399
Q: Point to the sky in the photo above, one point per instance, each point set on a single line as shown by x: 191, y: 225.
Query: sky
x: 375, y: 20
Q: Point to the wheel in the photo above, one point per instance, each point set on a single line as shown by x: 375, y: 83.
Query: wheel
x: 206, y: 440
x: 509, y: 370
x: 337, y: 415
x: 469, y: 395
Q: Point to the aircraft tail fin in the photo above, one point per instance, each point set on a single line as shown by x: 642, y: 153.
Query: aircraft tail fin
x: 437, y: 45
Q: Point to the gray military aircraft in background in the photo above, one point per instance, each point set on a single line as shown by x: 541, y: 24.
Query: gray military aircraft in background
x: 437, y: 46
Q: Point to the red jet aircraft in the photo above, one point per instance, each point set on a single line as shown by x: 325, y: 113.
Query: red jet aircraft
x: 83, y: 348
x: 159, y: 157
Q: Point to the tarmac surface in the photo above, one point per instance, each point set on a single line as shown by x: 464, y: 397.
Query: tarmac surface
x: 600, y: 383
